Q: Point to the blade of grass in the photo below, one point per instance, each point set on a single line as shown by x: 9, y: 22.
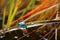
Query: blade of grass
x: 28, y: 6
x: 15, y: 10
x: 33, y: 4
x: 11, y: 6
x: 11, y: 2
x: 13, y: 15
x: 3, y: 21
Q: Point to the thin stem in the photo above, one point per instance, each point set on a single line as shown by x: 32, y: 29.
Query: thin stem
x: 3, y: 21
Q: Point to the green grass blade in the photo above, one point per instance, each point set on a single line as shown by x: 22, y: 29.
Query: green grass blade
x: 3, y: 21
x: 28, y: 7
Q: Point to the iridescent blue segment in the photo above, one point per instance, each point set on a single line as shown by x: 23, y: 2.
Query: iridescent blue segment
x: 22, y: 25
